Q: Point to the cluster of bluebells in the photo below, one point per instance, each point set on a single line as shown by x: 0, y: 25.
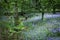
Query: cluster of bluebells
x: 55, y: 30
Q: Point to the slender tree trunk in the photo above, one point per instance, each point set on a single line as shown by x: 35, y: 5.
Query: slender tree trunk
x: 5, y: 30
x: 16, y: 20
x: 42, y: 14
x: 8, y: 6
x: 16, y: 14
x: 1, y: 33
x: 54, y: 10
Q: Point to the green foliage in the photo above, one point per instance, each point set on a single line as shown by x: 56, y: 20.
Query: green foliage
x: 28, y: 5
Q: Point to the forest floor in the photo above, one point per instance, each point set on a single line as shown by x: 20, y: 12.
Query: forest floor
x: 43, y: 30
x: 39, y: 16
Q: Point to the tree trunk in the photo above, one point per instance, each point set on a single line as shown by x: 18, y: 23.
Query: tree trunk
x: 1, y: 33
x: 42, y: 14
x: 54, y: 10
x: 16, y: 20
x: 16, y: 16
